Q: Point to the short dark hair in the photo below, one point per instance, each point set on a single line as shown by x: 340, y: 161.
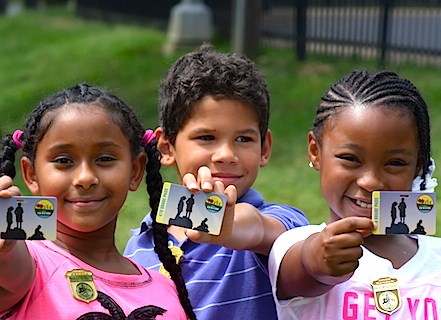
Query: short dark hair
x: 207, y: 72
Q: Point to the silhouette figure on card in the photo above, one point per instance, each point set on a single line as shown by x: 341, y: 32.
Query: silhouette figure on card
x: 17, y: 232
x: 184, y: 219
x: 400, y: 227
x: 419, y: 228
x: 398, y: 210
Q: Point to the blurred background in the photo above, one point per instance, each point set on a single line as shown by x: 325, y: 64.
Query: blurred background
x: 301, y: 47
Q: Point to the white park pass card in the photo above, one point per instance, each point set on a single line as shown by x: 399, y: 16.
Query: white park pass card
x: 404, y: 212
x: 202, y: 211
x: 28, y: 218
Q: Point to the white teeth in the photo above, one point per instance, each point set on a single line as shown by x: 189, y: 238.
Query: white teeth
x: 363, y: 204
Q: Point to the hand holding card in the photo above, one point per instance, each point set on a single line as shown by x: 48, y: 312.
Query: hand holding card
x: 202, y: 211
x: 404, y: 212
x: 28, y: 218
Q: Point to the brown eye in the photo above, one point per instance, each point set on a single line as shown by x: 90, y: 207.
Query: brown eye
x: 244, y: 139
x: 348, y: 158
x: 105, y: 159
x: 62, y: 160
x: 398, y: 163
x: 206, y: 138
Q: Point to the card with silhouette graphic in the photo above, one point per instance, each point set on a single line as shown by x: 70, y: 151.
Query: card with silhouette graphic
x: 404, y: 212
x: 202, y: 211
x: 28, y: 218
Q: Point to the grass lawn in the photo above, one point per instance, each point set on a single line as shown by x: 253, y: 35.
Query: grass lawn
x: 44, y: 51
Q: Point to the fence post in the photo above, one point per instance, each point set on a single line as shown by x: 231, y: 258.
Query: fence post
x: 300, y: 29
x: 384, y: 31
x: 3, y: 6
x: 246, y: 26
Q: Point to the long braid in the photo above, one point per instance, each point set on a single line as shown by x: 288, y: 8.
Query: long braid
x: 380, y: 89
x: 154, y: 187
x: 7, y: 157
x: 160, y: 234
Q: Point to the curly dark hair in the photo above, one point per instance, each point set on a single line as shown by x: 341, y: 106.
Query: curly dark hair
x: 207, y: 72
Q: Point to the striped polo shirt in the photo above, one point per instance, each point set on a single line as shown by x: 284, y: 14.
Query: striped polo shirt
x: 222, y: 283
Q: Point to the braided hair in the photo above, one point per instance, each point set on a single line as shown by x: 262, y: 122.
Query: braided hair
x: 160, y: 234
x: 384, y: 89
x: 89, y: 96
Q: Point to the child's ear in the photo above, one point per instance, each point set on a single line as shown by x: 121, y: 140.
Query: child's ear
x: 29, y: 176
x: 313, y: 151
x: 266, y: 149
x: 138, y: 167
x: 165, y: 148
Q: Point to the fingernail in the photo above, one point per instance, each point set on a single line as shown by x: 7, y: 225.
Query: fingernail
x: 193, y: 186
x: 207, y: 185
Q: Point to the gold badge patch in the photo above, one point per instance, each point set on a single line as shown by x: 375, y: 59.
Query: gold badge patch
x: 82, y: 285
x: 386, y: 295
x: 178, y: 254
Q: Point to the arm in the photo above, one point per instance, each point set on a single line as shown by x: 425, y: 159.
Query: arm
x: 313, y: 266
x: 243, y: 226
x: 252, y: 230
x: 17, y: 272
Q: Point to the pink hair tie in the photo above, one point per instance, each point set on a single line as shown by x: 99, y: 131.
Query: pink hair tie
x: 149, y: 135
x: 16, y: 137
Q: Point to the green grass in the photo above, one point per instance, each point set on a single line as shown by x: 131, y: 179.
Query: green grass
x: 43, y: 51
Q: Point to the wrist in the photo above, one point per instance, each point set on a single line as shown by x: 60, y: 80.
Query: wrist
x: 327, y: 279
x: 323, y: 278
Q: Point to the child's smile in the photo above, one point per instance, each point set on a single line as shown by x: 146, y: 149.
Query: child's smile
x: 363, y: 150
x: 363, y: 204
x: 224, y: 136
x: 88, y: 170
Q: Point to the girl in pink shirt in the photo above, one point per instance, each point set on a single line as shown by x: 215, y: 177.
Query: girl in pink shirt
x: 85, y: 147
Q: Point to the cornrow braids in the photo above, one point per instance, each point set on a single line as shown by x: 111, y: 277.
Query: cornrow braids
x: 154, y: 186
x: 89, y: 96
x: 383, y: 89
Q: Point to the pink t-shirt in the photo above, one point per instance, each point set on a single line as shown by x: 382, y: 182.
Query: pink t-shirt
x: 146, y: 296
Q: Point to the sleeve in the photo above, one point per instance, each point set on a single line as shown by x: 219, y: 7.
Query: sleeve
x: 132, y: 245
x: 138, y: 239
x: 291, y: 217
x: 282, y: 244
x: 141, y: 247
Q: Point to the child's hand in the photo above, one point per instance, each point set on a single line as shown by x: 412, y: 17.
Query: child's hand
x: 7, y: 245
x: 243, y: 226
x: 335, y: 251
x: 227, y: 223
x: 7, y: 188
x: 205, y: 182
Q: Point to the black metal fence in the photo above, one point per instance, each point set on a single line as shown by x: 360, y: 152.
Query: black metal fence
x: 389, y: 31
